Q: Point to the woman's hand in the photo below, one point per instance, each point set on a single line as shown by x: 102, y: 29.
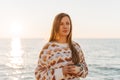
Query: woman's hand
x: 70, y: 69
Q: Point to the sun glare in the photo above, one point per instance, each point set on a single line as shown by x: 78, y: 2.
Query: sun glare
x: 16, y: 30
x: 16, y: 61
x: 16, y: 54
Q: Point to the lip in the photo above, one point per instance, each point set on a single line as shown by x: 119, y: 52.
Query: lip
x: 65, y: 31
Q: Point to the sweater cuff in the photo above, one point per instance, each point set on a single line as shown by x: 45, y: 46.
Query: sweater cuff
x: 58, y: 74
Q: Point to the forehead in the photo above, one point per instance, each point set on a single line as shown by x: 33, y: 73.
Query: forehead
x: 66, y: 18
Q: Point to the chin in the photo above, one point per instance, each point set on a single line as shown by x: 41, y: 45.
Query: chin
x: 65, y: 35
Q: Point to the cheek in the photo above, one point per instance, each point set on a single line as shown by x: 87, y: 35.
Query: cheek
x: 69, y: 28
x: 60, y: 30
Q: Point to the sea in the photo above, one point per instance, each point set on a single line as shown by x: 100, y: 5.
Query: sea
x: 18, y: 58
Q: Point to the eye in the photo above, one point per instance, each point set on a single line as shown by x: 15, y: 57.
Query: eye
x: 61, y: 23
x: 67, y: 23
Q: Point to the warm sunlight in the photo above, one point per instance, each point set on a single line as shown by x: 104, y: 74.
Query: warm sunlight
x: 16, y: 60
x: 16, y: 30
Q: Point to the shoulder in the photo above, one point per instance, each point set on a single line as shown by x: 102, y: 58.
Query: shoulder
x: 79, y: 49
x: 77, y: 46
x: 47, y: 48
x: 48, y: 45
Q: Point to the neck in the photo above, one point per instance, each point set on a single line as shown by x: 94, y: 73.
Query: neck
x: 62, y: 40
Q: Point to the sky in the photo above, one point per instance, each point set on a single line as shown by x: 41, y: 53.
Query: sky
x: 34, y: 18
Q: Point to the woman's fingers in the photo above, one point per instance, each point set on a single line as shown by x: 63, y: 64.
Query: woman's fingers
x: 69, y: 69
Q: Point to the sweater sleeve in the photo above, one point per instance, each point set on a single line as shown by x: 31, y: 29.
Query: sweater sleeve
x: 43, y: 71
x: 82, y: 61
x: 42, y: 68
x: 84, y: 72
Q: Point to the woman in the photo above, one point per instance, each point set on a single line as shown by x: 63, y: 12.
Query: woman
x: 61, y: 58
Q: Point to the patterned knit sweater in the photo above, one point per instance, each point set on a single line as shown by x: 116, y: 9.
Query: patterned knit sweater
x: 53, y: 57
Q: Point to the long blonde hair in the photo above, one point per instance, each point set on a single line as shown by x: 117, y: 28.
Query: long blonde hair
x: 55, y: 30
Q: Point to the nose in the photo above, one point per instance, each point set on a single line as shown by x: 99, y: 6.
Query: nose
x: 65, y: 26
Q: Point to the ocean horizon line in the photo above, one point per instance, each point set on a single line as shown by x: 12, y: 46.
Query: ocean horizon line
x: 73, y: 38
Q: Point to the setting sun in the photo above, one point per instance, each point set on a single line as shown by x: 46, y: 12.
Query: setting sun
x: 16, y: 30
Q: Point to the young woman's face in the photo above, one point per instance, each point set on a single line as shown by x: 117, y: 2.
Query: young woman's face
x: 64, y: 28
